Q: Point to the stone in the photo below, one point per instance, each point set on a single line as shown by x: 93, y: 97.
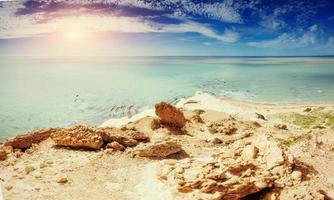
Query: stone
x: 155, y: 124
x: 63, y: 179
x: 249, y: 152
x: 260, y: 116
x: 127, y: 138
x: 160, y: 149
x: 26, y: 140
x: 307, y: 109
x: 281, y: 126
x: 170, y: 115
x: 8, y: 187
x: 116, y: 146
x: 216, y: 141
x: 80, y: 136
x: 197, y: 119
x: 3, y: 154
x: 29, y: 169
x: 212, y: 130
x: 297, y: 175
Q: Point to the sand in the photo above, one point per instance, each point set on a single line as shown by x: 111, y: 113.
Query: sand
x: 103, y: 174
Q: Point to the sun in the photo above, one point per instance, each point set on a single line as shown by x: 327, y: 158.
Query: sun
x: 75, y: 35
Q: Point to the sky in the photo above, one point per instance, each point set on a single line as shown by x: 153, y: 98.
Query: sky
x: 166, y: 28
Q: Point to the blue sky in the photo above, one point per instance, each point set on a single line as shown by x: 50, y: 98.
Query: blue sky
x: 167, y: 27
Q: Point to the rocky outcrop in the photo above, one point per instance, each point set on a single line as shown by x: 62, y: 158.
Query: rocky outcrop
x: 25, y: 141
x: 160, y: 149
x: 261, y: 165
x: 170, y: 116
x: 125, y: 137
x: 79, y: 136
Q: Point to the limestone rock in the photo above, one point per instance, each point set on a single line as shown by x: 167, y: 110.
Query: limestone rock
x: 250, y: 152
x: 25, y: 141
x: 296, y: 175
x: 29, y: 169
x: 170, y: 115
x: 155, y: 124
x: 281, y: 126
x: 63, y: 179
x: 79, y: 136
x: 3, y: 154
x: 127, y: 138
x: 160, y: 149
x: 116, y: 146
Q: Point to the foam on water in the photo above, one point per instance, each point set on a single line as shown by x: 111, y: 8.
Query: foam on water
x: 62, y: 91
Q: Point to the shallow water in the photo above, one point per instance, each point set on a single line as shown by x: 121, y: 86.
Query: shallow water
x: 58, y: 91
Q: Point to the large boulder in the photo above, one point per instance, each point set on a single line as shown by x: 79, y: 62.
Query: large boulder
x: 26, y: 140
x: 170, y: 115
x: 79, y: 136
x: 160, y: 149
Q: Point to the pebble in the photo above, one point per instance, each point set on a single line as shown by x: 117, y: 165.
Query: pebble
x: 62, y: 179
x: 29, y: 169
x: 296, y: 175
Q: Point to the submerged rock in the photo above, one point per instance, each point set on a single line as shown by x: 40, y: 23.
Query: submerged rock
x: 170, y: 115
x: 25, y: 141
x: 160, y: 149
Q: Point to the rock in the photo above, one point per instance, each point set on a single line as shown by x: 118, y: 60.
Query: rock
x: 197, y: 119
x: 170, y: 115
x: 260, y: 116
x: 8, y: 187
x: 216, y: 141
x: 127, y: 138
x: 274, y: 156
x: 198, y: 111
x: 116, y: 146
x: 29, y: 169
x: 63, y: 179
x: 155, y: 124
x: 160, y: 149
x: 25, y: 141
x: 3, y: 154
x: 249, y: 152
x: 281, y: 126
x: 79, y: 136
x: 212, y: 130
x: 307, y: 109
x: 296, y: 175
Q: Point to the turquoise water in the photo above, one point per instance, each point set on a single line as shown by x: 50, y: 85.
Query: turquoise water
x: 58, y: 91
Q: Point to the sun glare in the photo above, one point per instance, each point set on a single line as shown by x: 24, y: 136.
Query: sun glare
x: 75, y: 35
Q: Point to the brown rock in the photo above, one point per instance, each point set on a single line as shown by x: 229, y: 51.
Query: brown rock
x: 3, y: 154
x: 170, y: 115
x: 63, y: 179
x: 124, y: 137
x: 155, y: 124
x: 116, y: 146
x: 160, y: 149
x: 197, y: 119
x: 281, y: 126
x: 25, y: 141
x: 79, y: 136
x: 307, y: 109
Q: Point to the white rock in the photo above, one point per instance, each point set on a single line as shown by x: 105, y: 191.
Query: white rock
x: 296, y: 175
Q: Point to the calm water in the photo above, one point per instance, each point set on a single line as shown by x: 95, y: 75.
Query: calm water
x: 44, y: 92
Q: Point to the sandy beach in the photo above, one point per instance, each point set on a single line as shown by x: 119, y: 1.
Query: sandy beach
x: 203, y: 148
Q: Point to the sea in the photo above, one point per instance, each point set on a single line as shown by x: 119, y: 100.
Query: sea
x: 40, y: 92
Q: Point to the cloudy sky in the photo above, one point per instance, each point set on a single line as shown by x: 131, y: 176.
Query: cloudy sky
x: 167, y: 27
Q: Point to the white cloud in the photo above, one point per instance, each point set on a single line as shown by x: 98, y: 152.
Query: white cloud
x: 227, y: 36
x: 290, y: 40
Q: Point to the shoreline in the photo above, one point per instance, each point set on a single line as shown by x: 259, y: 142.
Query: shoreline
x: 182, y: 152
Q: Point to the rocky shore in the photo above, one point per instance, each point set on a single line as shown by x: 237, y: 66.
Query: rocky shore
x: 202, y: 148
